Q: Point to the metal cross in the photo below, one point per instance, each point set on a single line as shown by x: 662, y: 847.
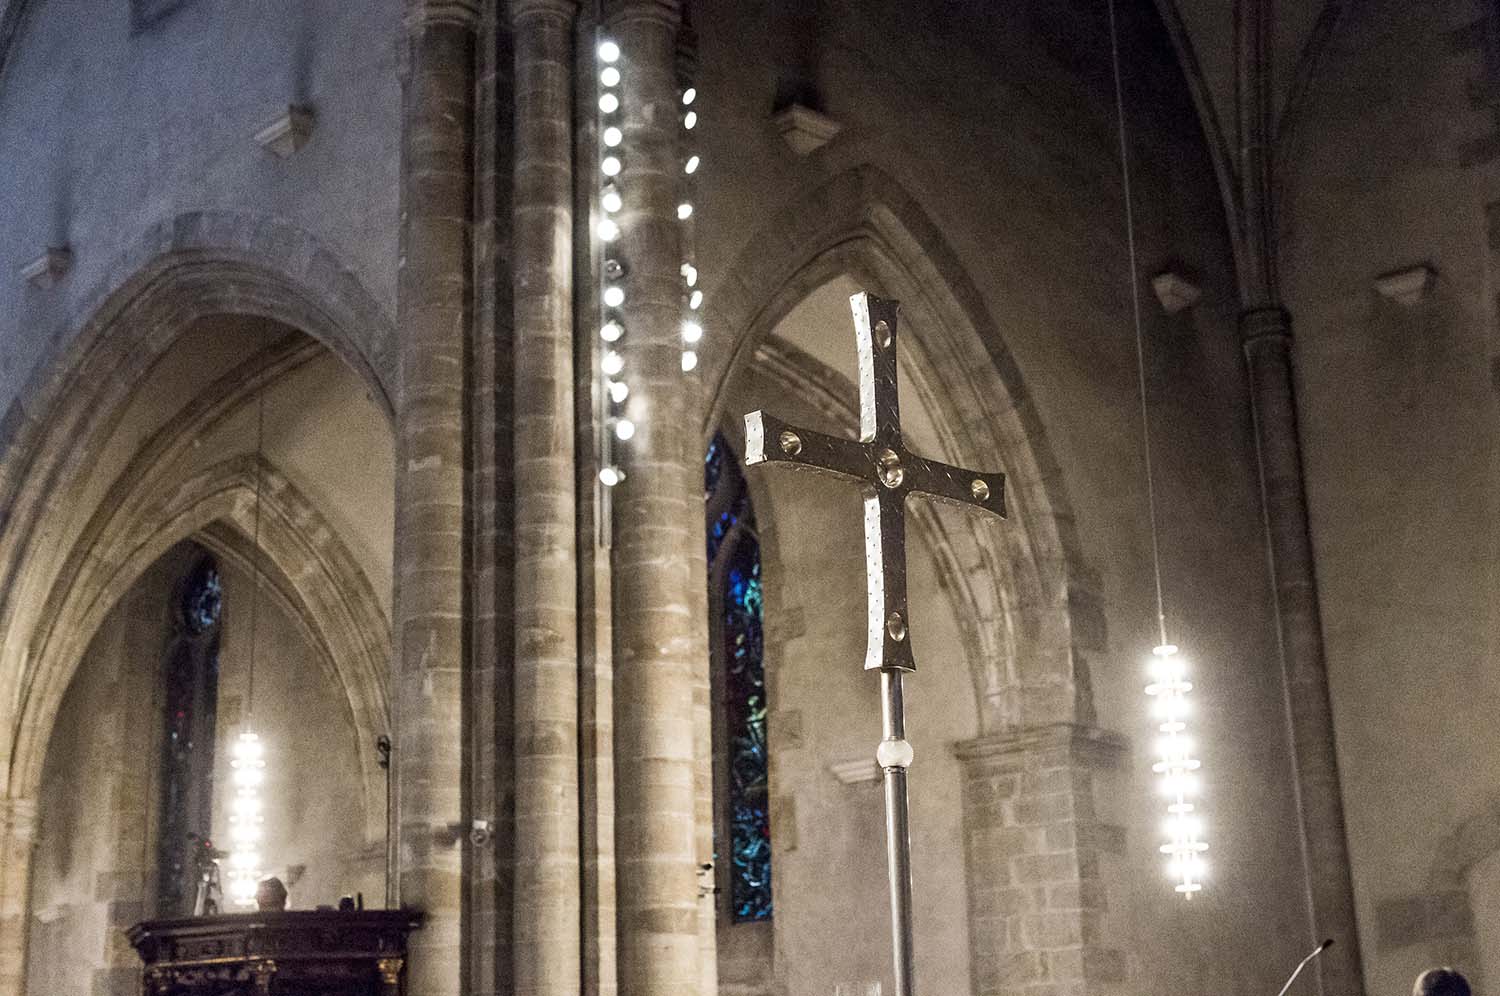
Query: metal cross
x: 887, y: 473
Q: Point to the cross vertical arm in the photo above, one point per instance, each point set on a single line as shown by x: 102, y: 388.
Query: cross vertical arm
x: 887, y: 647
x: 875, y: 338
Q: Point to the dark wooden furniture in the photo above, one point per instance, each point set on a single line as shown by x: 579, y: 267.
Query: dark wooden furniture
x: 289, y: 953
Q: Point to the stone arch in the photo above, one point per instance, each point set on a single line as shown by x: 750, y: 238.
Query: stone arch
x: 306, y: 563
x: 194, y: 265
x: 861, y: 223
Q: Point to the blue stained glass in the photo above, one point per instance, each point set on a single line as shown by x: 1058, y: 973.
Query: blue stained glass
x: 191, y: 690
x: 742, y: 646
x: 713, y: 466
x: 204, y: 598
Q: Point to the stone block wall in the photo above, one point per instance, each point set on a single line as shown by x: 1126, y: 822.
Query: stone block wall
x: 1035, y: 846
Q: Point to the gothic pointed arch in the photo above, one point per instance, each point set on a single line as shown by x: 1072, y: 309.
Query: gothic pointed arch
x: 307, y: 566
x: 1042, y: 599
x: 181, y: 270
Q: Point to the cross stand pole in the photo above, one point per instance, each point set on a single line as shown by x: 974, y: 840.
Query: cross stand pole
x: 887, y: 474
x: 894, y: 755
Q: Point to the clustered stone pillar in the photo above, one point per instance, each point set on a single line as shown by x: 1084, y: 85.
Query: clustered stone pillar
x: 1033, y: 845
x: 1267, y: 338
x: 17, y: 840
x: 658, y: 529
x: 546, y: 915
x: 433, y: 318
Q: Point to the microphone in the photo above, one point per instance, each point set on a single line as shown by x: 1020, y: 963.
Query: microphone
x: 1303, y: 964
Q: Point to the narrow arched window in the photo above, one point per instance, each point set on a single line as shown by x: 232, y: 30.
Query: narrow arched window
x: 737, y: 646
x: 190, y: 689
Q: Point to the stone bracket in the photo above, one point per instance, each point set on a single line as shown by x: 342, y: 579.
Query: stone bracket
x: 48, y: 268
x: 288, y: 133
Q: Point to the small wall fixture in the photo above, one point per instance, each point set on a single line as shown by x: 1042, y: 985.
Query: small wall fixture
x: 1408, y: 285
x: 1175, y: 292
x: 805, y: 129
x: 48, y: 268
x: 287, y: 133
x: 853, y: 772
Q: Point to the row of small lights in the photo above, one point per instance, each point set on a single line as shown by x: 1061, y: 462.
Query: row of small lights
x: 619, y: 428
x: 247, y: 762
x: 1178, y: 770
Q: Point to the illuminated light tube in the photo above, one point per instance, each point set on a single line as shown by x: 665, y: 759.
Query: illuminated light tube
x: 247, y: 765
x: 1183, y: 829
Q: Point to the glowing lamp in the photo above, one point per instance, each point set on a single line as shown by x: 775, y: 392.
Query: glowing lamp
x: 1176, y: 766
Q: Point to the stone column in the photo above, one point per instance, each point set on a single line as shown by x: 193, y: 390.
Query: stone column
x: 433, y: 317
x: 658, y: 529
x: 1033, y: 846
x: 1267, y: 338
x: 17, y: 840
x: 547, y: 881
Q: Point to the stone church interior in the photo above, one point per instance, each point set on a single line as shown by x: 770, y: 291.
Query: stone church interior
x: 405, y: 586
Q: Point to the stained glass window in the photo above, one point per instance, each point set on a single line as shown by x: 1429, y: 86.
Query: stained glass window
x: 190, y: 682
x: 736, y: 602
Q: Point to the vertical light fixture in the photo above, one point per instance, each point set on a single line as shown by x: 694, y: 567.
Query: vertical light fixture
x: 1169, y: 687
x: 692, y: 295
x: 247, y: 759
x: 617, y: 426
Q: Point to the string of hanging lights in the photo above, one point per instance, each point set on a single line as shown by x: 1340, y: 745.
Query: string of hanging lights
x: 618, y: 427
x: 1169, y: 687
x: 247, y: 759
x: 692, y: 295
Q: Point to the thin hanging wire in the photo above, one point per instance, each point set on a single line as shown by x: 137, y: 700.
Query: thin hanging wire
x: 260, y: 439
x: 1135, y: 302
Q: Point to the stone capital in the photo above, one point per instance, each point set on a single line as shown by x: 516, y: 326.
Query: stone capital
x: 562, y: 10
x: 1088, y: 746
x: 421, y: 13
x: 666, y: 12
x: 1265, y: 326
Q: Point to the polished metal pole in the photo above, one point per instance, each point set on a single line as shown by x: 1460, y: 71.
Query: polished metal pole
x: 895, y: 755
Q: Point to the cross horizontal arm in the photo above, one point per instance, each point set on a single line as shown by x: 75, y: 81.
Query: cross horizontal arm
x: 954, y: 485
x: 770, y: 440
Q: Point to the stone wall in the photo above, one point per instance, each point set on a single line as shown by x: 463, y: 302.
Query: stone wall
x: 1393, y: 168
x: 111, y: 130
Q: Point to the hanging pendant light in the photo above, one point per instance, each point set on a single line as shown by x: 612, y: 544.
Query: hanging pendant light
x: 247, y: 759
x: 1176, y: 767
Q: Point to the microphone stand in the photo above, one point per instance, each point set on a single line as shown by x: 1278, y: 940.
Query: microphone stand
x: 1303, y: 964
